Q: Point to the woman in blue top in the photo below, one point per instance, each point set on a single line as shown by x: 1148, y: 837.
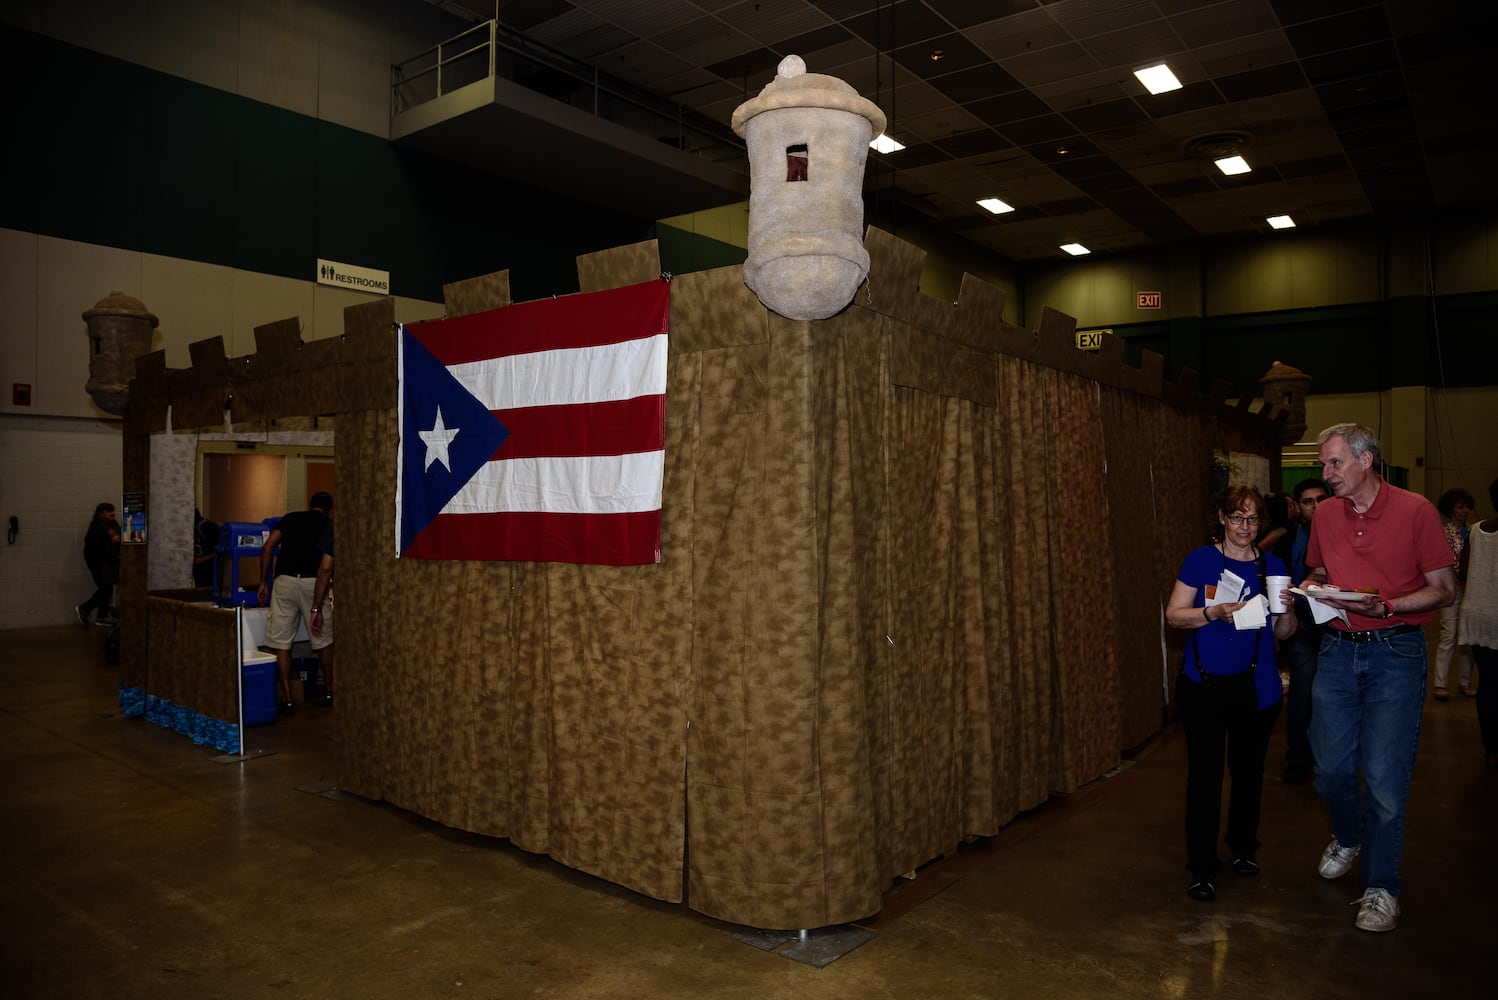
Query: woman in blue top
x: 1229, y: 691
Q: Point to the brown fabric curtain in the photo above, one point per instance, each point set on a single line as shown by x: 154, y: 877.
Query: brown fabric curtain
x: 911, y: 586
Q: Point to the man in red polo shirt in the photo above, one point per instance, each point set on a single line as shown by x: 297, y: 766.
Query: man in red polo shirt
x: 1370, y: 673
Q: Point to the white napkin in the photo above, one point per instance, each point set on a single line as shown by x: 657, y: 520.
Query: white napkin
x: 1322, y: 613
x: 1229, y: 589
x: 1252, y: 615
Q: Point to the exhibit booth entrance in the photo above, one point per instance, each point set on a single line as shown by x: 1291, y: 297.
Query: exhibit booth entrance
x: 212, y: 678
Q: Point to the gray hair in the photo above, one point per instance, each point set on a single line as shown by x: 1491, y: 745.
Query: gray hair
x: 1360, y: 440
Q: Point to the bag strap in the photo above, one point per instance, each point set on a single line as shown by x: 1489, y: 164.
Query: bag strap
x: 1201, y: 666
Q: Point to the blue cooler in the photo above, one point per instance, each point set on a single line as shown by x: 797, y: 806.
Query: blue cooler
x: 260, y: 693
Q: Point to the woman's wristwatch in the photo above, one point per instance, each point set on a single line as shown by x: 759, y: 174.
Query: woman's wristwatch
x: 1388, y: 608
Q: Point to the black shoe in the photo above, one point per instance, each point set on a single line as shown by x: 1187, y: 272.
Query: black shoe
x: 286, y: 708
x: 1202, y: 890
x: 1245, y: 866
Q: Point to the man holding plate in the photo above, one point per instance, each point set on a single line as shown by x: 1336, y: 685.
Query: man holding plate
x: 1382, y: 552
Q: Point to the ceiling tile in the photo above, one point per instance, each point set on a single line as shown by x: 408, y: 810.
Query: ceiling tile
x: 523, y: 15
x: 768, y: 21
x: 966, y: 13
x: 920, y: 98
x: 1019, y: 34
x: 581, y: 35
x: 1259, y: 82
x: 1067, y: 147
x: 935, y: 125
x: 1085, y: 18
x: 1135, y: 46
x: 810, y: 41
x: 1059, y: 62
x: 1191, y: 97
x: 1334, y: 66
x: 643, y: 18
x: 704, y: 41
x: 1223, y: 22
x: 986, y: 80
x: 1105, y: 116
x: 1038, y: 129
x: 907, y: 22
x: 1080, y: 91
x: 998, y: 111
x: 1316, y: 167
x: 939, y: 56
x: 1363, y: 26
x: 1245, y: 54
x: 973, y: 143
x: 758, y: 64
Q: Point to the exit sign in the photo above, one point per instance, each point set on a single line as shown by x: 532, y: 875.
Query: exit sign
x: 1091, y: 340
x: 1148, y: 300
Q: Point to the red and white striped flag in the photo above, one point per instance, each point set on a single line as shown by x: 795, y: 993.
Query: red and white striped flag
x: 537, y: 431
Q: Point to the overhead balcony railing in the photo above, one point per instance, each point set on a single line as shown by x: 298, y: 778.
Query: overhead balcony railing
x: 487, y: 51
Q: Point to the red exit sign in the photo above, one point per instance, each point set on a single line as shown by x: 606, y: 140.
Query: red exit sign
x: 1149, y: 300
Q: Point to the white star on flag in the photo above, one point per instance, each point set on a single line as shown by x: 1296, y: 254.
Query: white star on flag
x: 437, y: 439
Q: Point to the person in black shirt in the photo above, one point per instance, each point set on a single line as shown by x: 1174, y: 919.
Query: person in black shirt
x: 101, y: 553
x: 296, y: 536
x: 204, y: 546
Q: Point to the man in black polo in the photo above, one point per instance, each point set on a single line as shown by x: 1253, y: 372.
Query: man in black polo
x: 296, y: 535
x: 1298, y: 653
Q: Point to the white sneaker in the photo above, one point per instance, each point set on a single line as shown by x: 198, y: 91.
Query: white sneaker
x: 1337, y: 860
x: 1378, y: 911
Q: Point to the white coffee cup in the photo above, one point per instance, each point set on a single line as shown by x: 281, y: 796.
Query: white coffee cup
x: 1275, y: 585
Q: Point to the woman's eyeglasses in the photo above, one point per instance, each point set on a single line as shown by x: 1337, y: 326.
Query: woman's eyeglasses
x: 1313, y: 501
x: 1239, y: 520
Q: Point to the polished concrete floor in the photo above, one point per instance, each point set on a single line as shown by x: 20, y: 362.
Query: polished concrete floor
x: 137, y: 866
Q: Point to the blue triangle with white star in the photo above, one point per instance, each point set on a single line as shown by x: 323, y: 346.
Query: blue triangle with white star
x: 446, y: 436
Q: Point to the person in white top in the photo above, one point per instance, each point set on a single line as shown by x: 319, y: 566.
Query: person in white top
x: 1478, y: 623
x: 1455, y: 506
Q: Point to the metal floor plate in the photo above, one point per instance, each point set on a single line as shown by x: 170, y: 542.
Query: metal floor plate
x: 818, y: 948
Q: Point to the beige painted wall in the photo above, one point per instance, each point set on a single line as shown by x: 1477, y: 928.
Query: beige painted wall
x: 1442, y: 436
x: 47, y: 283
x: 1288, y: 270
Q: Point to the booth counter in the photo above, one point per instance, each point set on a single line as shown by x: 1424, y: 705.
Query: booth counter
x: 208, y: 677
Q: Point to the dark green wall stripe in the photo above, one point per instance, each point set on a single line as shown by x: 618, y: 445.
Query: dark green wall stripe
x: 110, y: 153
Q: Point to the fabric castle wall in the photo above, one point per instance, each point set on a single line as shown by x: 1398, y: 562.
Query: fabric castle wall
x: 913, y: 564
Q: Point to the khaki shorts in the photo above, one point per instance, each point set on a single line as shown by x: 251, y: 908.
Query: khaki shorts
x: 291, y: 604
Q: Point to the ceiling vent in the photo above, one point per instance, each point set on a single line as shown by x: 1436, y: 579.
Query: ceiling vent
x: 1216, y: 145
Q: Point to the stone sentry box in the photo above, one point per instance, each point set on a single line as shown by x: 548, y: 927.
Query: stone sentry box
x: 808, y: 137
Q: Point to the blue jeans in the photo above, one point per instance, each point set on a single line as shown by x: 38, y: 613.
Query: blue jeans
x: 1367, y: 700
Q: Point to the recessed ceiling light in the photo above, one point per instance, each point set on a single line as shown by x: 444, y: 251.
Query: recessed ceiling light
x: 1075, y: 249
x: 1233, y: 165
x: 937, y: 55
x: 1281, y: 222
x: 996, y: 206
x: 884, y: 144
x: 1158, y: 79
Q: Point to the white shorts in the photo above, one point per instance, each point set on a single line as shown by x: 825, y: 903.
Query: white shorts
x: 290, y: 605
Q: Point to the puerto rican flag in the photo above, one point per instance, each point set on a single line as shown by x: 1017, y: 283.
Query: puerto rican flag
x: 536, y: 431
